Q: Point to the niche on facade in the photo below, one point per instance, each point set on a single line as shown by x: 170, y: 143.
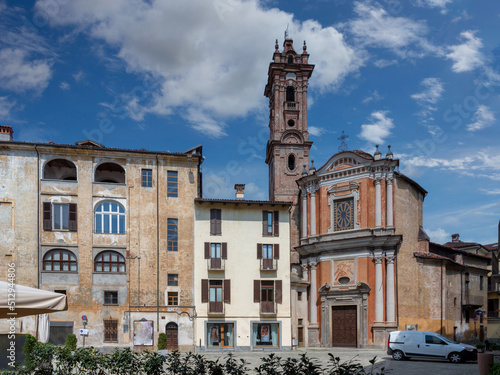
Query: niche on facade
x: 60, y: 169
x: 110, y: 173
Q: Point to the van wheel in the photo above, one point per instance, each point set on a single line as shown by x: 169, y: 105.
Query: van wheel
x: 455, y: 357
x: 398, y: 355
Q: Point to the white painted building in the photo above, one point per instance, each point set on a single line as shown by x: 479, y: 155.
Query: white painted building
x: 242, y: 274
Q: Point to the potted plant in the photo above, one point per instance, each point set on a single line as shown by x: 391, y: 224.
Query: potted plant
x: 480, y: 348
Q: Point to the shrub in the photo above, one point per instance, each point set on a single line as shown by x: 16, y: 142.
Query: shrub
x: 70, y: 342
x: 29, y: 344
x: 162, y: 341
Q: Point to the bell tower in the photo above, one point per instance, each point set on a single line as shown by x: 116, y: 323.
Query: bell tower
x: 288, y: 145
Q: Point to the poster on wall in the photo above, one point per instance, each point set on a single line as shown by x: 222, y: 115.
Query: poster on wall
x: 214, y: 335
x: 143, y: 333
x: 265, y: 336
x: 411, y: 327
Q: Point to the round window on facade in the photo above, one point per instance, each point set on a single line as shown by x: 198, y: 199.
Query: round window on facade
x: 344, y: 280
x: 291, y: 123
x: 291, y: 162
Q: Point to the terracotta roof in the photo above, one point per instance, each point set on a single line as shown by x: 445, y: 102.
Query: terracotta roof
x: 242, y: 201
x: 492, y: 246
x: 420, y: 254
x: 463, y: 252
x: 459, y: 244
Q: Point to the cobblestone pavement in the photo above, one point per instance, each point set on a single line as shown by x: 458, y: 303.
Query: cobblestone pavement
x: 363, y: 356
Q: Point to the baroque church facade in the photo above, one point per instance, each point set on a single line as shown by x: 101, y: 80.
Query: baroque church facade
x: 361, y: 264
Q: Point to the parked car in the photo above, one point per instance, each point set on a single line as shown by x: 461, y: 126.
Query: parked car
x: 405, y: 344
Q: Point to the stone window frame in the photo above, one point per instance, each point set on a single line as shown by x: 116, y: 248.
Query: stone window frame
x: 334, y: 195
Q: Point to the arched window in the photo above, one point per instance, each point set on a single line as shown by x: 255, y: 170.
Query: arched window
x: 290, y: 94
x: 110, y: 173
x: 290, y: 59
x: 59, y: 169
x: 109, y: 261
x: 60, y: 260
x: 110, y: 218
x: 291, y: 162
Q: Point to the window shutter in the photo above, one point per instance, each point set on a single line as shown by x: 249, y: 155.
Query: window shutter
x: 259, y: 251
x: 207, y: 250
x: 276, y: 223
x: 47, y: 216
x: 227, y: 290
x: 276, y: 251
x: 224, y: 250
x: 218, y: 222
x: 264, y: 223
x: 72, y: 217
x: 204, y: 290
x: 212, y: 221
x: 277, y: 288
x: 256, y: 290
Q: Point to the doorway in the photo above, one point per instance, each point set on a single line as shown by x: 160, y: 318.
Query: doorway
x: 172, y: 332
x: 344, y: 326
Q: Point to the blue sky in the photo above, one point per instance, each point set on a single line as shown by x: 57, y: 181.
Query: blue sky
x: 422, y: 76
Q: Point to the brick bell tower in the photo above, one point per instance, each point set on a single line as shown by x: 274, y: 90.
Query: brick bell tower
x: 288, y: 146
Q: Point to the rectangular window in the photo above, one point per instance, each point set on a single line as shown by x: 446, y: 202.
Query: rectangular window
x: 173, y: 298
x: 172, y: 236
x: 173, y: 279
x: 299, y: 296
x: 215, y: 296
x: 265, y: 335
x: 215, y: 253
x: 147, y: 178
x: 172, y: 184
x: 270, y: 223
x: 220, y: 335
x: 268, y: 293
x: 215, y: 293
x: 343, y: 214
x: 110, y: 298
x: 59, y: 216
x: 467, y: 285
x: 110, y: 330
x: 268, y: 254
x: 215, y: 221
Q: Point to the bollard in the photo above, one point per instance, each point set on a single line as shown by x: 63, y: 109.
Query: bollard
x: 484, y: 362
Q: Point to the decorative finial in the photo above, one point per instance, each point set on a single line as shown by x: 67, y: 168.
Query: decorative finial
x: 304, y: 172
x: 312, y: 169
x: 389, y: 153
x: 286, y: 32
x: 377, y: 154
x: 276, y: 46
x: 305, y: 46
x: 343, y: 144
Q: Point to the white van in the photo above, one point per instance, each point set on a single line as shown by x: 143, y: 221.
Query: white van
x: 406, y: 344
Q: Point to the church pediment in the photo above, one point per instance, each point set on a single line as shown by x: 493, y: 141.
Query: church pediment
x: 358, y: 161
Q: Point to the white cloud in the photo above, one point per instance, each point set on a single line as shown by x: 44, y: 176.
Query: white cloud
x: 466, y: 56
x: 64, y: 86
x: 375, y: 27
x: 78, y: 76
x: 6, y: 106
x: 433, y: 3
x: 482, y: 118
x: 18, y: 73
x: 316, y: 131
x: 378, y: 129
x: 438, y: 235
x: 203, y: 54
x: 433, y: 89
x: 205, y: 124
x: 491, y: 192
x: 383, y: 63
x: 374, y: 96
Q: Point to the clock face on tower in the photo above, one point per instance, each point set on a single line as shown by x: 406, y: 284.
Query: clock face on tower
x: 343, y: 214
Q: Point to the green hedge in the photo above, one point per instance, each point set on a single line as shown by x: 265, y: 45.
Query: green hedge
x: 54, y: 360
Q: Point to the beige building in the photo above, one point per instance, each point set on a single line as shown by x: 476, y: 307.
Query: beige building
x: 110, y: 228
x: 242, y: 274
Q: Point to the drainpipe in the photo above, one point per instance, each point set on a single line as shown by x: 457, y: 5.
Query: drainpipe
x: 157, y: 248
x: 38, y: 225
x: 441, y: 297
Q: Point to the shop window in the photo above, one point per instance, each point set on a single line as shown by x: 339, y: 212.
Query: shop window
x: 220, y: 335
x: 265, y: 335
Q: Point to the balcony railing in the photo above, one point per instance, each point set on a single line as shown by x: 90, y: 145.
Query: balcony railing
x: 268, y: 308
x: 294, y: 106
x: 216, y: 264
x: 269, y: 264
x: 216, y: 308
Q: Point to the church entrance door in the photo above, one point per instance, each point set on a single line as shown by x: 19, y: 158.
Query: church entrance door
x: 344, y: 326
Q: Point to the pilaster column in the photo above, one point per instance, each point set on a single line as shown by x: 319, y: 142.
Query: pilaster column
x: 304, y: 213
x: 378, y: 203
x: 389, y: 298
x: 313, y: 211
x: 379, y: 291
x: 390, y: 220
x: 313, y: 295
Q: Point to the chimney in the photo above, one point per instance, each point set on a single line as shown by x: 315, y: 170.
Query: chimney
x: 455, y: 237
x: 240, y: 191
x: 6, y: 133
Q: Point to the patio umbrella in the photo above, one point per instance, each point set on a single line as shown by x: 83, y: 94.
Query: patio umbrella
x: 43, y: 328
x: 28, y: 301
